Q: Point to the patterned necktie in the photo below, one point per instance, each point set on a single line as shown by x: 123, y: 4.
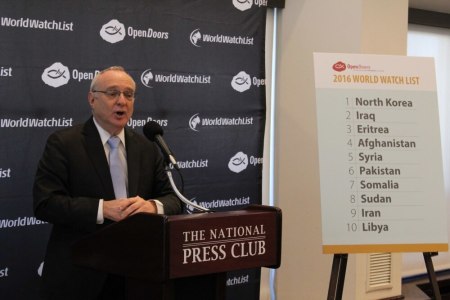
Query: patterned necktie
x: 117, y: 168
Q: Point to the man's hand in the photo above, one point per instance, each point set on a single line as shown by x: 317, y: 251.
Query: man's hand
x: 120, y: 209
x: 137, y: 205
x: 113, y: 209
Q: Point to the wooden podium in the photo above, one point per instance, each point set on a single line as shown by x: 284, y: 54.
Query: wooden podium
x: 184, y: 256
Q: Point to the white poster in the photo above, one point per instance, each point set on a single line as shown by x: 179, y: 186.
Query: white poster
x: 381, y: 178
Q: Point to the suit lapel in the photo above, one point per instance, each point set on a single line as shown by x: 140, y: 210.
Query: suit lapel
x: 133, y: 162
x: 96, y: 153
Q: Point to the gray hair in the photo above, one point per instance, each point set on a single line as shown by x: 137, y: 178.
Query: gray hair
x: 112, y: 68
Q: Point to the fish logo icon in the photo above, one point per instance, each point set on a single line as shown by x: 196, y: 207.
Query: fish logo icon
x: 242, y: 4
x: 238, y: 162
x: 56, y: 75
x: 339, y: 66
x: 241, y: 82
x: 113, y: 31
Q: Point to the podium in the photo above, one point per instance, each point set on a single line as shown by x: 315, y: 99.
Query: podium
x: 183, y: 256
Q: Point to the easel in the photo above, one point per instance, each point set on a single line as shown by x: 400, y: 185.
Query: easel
x: 340, y: 265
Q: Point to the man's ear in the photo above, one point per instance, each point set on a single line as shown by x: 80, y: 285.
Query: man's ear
x: 91, y: 98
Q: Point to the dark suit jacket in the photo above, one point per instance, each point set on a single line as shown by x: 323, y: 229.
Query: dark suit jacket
x: 72, y: 175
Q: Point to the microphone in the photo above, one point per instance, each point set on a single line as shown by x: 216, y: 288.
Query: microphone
x: 154, y: 132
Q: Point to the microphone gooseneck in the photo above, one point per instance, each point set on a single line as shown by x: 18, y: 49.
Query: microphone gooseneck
x: 154, y: 132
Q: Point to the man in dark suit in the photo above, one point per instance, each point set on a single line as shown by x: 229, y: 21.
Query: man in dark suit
x: 73, y: 189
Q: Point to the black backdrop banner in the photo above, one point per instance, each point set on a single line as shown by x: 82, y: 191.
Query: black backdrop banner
x: 199, y: 69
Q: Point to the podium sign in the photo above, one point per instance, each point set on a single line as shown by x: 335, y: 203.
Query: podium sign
x: 217, y: 242
x: 380, y: 154
x: 157, y: 252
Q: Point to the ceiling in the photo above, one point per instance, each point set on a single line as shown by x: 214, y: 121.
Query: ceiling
x: 442, y: 6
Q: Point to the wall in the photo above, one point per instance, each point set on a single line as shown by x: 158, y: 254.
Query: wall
x: 307, y: 26
x: 434, y: 42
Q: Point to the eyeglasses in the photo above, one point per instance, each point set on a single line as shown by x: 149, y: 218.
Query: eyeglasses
x: 114, y: 94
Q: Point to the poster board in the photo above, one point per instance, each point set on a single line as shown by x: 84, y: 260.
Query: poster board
x: 381, y: 178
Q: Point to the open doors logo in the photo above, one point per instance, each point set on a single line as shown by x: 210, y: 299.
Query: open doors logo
x: 339, y: 66
x: 113, y: 31
x: 56, y: 75
x: 241, y: 82
x: 242, y: 4
x: 238, y: 162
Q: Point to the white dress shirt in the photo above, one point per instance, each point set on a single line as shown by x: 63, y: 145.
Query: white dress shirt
x: 104, y: 136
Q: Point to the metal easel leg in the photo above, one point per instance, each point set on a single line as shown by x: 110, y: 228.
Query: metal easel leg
x: 337, y: 277
x: 431, y: 274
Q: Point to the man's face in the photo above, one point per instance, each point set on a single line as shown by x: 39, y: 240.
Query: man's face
x: 112, y: 112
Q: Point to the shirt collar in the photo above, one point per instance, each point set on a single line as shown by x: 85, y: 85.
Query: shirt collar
x: 104, y: 135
